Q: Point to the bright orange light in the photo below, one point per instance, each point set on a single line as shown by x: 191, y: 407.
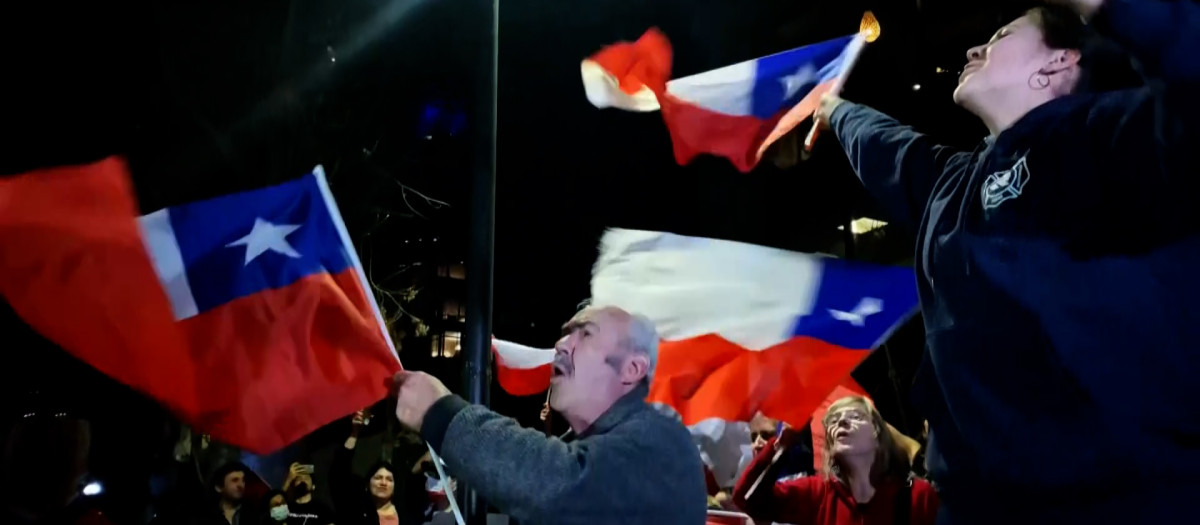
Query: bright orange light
x: 870, y: 26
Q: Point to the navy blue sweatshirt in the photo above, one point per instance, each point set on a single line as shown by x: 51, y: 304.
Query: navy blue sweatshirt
x: 1059, y: 274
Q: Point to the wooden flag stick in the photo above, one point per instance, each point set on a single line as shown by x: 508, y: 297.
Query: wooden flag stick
x: 868, y: 31
x: 549, y: 419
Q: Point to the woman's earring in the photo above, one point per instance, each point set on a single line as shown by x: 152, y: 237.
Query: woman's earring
x: 1039, y: 81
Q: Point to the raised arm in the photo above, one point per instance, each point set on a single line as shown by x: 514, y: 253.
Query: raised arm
x: 345, y: 487
x: 1161, y: 35
x: 519, y: 470
x: 1146, y: 137
x: 793, y: 501
x: 897, y: 165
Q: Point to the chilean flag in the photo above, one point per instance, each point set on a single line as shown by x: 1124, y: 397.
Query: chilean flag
x: 522, y: 370
x: 736, y: 111
x: 746, y: 328
x: 743, y: 328
x: 246, y: 314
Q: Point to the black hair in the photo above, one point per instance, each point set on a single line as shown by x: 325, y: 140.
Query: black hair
x: 1103, y: 64
x: 381, y: 464
x: 266, y: 499
x: 218, y: 478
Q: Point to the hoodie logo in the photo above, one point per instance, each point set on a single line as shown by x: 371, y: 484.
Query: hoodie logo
x: 1005, y: 185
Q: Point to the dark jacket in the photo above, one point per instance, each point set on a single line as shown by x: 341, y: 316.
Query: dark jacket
x: 211, y: 514
x: 1057, y: 268
x: 632, y: 466
x: 352, y: 503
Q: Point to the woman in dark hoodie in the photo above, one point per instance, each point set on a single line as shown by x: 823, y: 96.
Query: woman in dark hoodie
x: 1057, y: 266
x: 386, y: 496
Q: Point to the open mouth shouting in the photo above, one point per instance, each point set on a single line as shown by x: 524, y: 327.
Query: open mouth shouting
x: 560, y: 369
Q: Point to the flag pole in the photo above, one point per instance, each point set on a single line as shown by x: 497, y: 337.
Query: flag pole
x: 477, y: 334
x: 868, y: 31
x: 549, y: 421
x: 344, y: 233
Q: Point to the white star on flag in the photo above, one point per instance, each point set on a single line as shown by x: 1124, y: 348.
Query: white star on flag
x: 793, y: 82
x: 267, y: 236
x: 858, y: 317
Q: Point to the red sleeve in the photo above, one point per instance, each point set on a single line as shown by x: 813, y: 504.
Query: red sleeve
x: 924, y: 503
x: 794, y: 501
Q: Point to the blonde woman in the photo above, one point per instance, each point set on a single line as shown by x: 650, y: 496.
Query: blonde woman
x: 865, y: 479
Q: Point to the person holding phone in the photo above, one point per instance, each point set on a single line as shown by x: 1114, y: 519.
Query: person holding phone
x: 303, y: 507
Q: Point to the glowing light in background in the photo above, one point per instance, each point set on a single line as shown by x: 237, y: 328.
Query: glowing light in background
x: 863, y: 225
x: 441, y: 118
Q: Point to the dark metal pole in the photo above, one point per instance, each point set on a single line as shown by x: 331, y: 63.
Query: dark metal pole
x: 478, y: 331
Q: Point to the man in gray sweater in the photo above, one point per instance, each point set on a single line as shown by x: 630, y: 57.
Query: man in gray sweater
x: 623, y: 462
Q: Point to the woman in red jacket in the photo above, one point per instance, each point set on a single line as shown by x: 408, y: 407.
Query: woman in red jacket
x: 865, y: 479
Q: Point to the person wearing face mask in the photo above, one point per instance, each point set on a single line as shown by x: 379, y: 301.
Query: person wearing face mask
x: 277, y: 508
x: 864, y: 479
x: 1057, y: 266
x: 623, y: 462
x: 304, y: 509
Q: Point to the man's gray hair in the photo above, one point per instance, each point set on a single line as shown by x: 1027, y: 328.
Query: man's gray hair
x: 643, y: 339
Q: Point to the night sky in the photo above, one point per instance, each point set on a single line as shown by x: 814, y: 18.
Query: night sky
x: 212, y: 97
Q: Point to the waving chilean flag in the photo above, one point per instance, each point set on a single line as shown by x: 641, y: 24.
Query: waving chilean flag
x: 247, y: 314
x: 522, y: 370
x: 747, y: 328
x: 735, y: 112
x: 742, y: 328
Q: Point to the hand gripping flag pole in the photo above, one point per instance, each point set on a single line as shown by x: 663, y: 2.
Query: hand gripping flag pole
x: 868, y: 31
x: 327, y: 195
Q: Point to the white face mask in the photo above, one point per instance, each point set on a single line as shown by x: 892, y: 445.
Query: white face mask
x: 279, y: 513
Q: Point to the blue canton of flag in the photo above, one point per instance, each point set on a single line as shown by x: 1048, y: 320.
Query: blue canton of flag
x: 783, y: 79
x: 240, y: 244
x: 859, y: 304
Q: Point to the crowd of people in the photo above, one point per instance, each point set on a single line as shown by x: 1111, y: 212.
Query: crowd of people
x: 384, y: 493
x: 1030, y: 326
x: 1056, y: 275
